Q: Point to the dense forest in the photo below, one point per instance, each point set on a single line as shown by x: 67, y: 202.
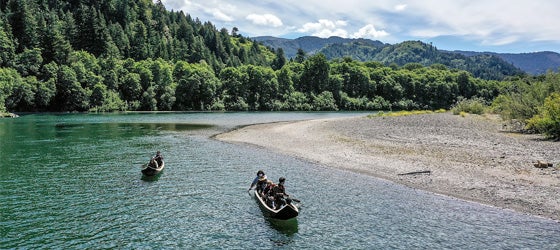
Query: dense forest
x: 113, y: 55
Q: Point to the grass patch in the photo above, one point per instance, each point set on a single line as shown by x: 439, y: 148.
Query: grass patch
x: 405, y: 113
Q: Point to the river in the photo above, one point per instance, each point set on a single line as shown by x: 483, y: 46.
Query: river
x: 72, y: 181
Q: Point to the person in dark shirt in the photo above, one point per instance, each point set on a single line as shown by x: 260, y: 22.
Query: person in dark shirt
x: 279, y: 194
x: 158, y: 159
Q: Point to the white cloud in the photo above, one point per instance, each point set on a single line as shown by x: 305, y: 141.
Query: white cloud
x: 265, y: 20
x: 496, y: 22
x: 501, y: 41
x: 400, y: 7
x: 369, y: 31
x: 325, y: 28
x: 218, y: 14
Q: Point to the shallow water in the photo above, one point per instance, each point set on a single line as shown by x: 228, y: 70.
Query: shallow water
x: 73, y: 181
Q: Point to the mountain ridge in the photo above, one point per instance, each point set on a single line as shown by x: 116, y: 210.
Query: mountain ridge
x: 534, y: 63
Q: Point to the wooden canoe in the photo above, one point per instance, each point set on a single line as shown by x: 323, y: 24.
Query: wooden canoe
x: 286, y: 212
x: 153, y: 171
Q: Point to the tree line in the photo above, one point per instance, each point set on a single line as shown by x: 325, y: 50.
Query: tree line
x: 109, y: 84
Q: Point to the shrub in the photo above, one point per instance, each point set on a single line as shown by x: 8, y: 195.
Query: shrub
x: 548, y: 119
x: 472, y: 106
x: 324, y: 102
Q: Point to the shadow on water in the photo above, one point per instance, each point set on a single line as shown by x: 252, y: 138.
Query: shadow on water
x: 151, y: 178
x: 286, y: 227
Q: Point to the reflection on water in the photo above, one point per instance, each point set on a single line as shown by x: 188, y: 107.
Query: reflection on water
x: 152, y: 178
x: 141, y: 126
x: 286, y: 227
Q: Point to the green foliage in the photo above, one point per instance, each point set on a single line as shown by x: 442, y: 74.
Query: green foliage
x: 29, y: 62
x: 548, y: 120
x: 9, y: 79
x: 324, y: 102
x: 523, y: 97
x: 7, y: 48
x: 296, y: 101
x: 472, y: 106
x: 534, y: 100
x: 22, y: 97
x: 70, y: 95
x: 315, y: 75
x: 197, y: 88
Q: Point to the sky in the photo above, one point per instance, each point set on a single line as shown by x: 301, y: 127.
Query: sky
x: 503, y: 26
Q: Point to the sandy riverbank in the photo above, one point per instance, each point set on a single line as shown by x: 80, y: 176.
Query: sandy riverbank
x: 468, y: 157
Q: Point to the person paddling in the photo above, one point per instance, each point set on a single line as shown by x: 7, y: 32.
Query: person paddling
x: 279, y: 194
x: 259, y: 181
x: 157, y: 160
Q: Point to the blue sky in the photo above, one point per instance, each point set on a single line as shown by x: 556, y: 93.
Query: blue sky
x: 505, y: 26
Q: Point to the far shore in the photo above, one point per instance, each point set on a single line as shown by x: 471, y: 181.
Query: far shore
x: 474, y: 158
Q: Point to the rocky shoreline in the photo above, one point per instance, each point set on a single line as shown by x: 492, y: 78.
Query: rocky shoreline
x: 473, y: 157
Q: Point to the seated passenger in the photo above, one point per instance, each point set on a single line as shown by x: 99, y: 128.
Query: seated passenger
x: 268, y: 187
x: 158, y: 159
x: 269, y: 199
x: 279, y: 194
x: 258, y: 179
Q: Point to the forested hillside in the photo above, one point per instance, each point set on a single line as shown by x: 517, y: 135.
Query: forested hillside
x: 486, y: 66
x: 313, y: 44
x: 111, y: 55
x: 536, y: 63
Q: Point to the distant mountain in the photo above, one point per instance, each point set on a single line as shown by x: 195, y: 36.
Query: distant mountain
x: 488, y: 65
x: 535, y: 63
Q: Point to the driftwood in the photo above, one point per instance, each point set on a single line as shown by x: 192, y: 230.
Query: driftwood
x: 542, y: 164
x: 417, y: 172
x: 8, y: 115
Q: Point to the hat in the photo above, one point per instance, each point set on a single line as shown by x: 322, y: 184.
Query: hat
x: 281, y: 179
x: 262, y: 178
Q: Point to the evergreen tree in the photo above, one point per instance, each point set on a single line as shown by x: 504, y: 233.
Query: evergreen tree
x: 7, y: 48
x: 280, y: 60
x: 55, y: 46
x: 24, y: 25
x: 300, y: 56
